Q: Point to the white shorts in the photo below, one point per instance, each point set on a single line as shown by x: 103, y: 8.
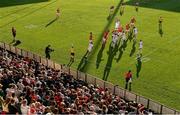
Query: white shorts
x: 104, y: 40
x: 132, y: 24
x: 120, y: 33
x: 89, y: 49
x: 90, y: 41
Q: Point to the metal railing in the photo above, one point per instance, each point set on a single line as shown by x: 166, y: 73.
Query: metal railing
x: 125, y: 94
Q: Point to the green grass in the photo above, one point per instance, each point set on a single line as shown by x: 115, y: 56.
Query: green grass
x: 159, y: 77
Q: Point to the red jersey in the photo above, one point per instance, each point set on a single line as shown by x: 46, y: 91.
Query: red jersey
x: 106, y: 34
x: 128, y: 75
x: 127, y: 26
x: 120, y: 29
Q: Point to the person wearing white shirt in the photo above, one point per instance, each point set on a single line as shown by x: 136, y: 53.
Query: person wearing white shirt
x: 135, y: 33
x: 117, y: 24
x: 90, y: 47
x: 140, y: 46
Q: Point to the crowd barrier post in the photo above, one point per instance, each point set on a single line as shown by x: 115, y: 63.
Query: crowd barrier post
x: 114, y: 90
x: 104, y: 84
x: 69, y: 71
x: 54, y: 65
x: 94, y: 81
x: 9, y: 47
x: 47, y: 62
x: 85, y: 77
x: 148, y: 103
x: 4, y: 46
x: 77, y: 77
x: 16, y: 50
x: 124, y: 94
x: 161, y: 109
x: 27, y: 53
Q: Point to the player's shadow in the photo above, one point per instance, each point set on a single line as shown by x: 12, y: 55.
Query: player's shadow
x: 70, y: 63
x: 130, y: 36
x: 160, y: 30
x: 99, y: 57
x: 112, y: 52
x: 51, y: 22
x: 120, y: 54
x: 82, y: 63
x: 138, y: 67
x: 133, y: 49
x: 17, y: 42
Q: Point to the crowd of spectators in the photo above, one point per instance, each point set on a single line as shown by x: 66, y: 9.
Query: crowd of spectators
x: 29, y: 87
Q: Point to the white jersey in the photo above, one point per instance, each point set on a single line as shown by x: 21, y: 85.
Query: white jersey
x: 117, y: 24
x: 123, y: 36
x: 90, y: 47
x: 141, y: 44
x: 135, y: 31
x: 114, y: 38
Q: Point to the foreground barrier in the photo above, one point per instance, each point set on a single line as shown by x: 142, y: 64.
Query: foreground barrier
x: 129, y: 96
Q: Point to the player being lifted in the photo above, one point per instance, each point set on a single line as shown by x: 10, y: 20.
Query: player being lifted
x: 117, y: 24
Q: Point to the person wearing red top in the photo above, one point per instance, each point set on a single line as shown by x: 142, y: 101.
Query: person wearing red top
x: 133, y: 20
x: 120, y: 30
x: 105, y: 37
x: 128, y: 77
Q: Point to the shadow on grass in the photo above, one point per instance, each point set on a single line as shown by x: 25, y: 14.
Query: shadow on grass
x: 168, y: 5
x: 27, y: 14
x: 112, y: 52
x: 133, y: 49
x: 82, y: 63
x: 83, y: 67
x: 51, y: 22
x: 6, y: 3
x: 99, y: 57
x: 17, y: 42
x: 138, y: 67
